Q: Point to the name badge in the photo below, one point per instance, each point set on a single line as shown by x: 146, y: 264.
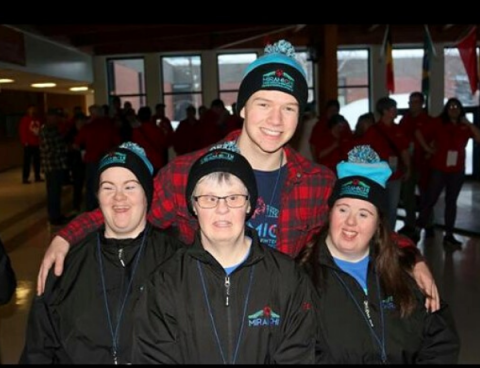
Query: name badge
x: 452, y: 158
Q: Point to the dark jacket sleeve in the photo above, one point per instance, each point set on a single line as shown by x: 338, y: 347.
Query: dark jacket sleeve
x: 8, y: 282
x: 298, y: 342
x: 441, y: 342
x: 41, y: 342
x: 155, y: 334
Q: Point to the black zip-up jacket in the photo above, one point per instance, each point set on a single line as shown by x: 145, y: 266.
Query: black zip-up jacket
x: 68, y: 324
x: 191, y: 312
x: 346, y: 338
x: 8, y: 281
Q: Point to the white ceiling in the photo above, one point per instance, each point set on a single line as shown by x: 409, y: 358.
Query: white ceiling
x: 24, y: 79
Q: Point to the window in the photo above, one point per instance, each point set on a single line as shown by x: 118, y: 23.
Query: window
x: 407, y: 71
x: 304, y: 59
x: 456, y: 80
x: 231, y: 68
x: 182, y: 85
x: 126, y: 79
x: 353, y: 83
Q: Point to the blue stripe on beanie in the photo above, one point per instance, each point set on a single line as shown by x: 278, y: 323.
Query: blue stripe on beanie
x: 281, y: 52
x: 277, y: 70
x: 363, y: 176
x: 364, y: 161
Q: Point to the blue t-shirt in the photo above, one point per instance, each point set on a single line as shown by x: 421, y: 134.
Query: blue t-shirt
x: 265, y: 217
x: 358, y: 270
x: 229, y: 270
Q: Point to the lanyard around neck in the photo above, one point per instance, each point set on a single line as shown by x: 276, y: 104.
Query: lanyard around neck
x: 365, y: 312
x: 212, y: 320
x: 114, y: 333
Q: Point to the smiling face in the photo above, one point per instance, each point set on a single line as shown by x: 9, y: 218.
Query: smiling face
x: 353, y: 223
x: 271, y: 118
x: 221, y: 224
x: 123, y: 203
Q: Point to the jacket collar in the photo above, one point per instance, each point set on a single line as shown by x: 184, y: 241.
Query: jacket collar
x: 257, y: 250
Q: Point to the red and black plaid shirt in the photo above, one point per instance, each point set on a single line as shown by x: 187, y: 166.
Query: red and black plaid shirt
x: 303, y: 208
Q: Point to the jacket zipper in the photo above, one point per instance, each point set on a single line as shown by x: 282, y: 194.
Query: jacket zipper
x: 229, y: 319
x: 227, y: 289
x: 120, y: 256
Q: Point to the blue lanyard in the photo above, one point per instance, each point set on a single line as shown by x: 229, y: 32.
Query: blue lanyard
x: 114, y: 333
x: 366, y: 315
x: 200, y: 270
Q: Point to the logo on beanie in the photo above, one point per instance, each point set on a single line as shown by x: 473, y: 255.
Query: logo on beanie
x: 113, y: 158
x: 278, y: 79
x: 355, y: 187
x: 217, y: 155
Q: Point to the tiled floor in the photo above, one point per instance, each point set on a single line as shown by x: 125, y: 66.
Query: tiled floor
x: 26, y: 233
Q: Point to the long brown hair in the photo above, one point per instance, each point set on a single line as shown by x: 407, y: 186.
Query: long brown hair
x: 392, y: 264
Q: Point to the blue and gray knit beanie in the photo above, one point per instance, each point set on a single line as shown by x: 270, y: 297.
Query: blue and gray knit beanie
x: 363, y: 176
x: 276, y: 70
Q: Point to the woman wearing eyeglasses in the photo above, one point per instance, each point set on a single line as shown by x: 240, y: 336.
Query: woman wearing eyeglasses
x: 227, y: 299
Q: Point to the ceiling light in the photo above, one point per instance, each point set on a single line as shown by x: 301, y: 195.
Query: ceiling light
x: 78, y: 89
x: 43, y: 85
x: 6, y: 80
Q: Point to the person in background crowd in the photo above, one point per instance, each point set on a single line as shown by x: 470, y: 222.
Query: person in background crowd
x: 151, y: 138
x: 75, y: 162
x: 201, y: 110
x: 355, y: 265
x: 96, y: 138
x: 332, y: 107
x: 452, y: 132
x: 227, y: 299
x: 53, y: 152
x: 413, y: 120
x: 233, y: 121
x: 293, y: 191
x: 185, y: 138
x: 86, y: 315
x: 165, y: 124
x: 389, y: 141
x: 364, y: 122
x: 29, y: 129
x: 334, y: 142
x: 300, y: 140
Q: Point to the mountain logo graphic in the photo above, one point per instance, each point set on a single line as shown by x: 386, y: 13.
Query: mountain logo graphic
x: 264, y: 317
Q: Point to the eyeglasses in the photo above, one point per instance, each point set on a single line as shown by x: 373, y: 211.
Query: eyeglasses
x: 211, y: 201
x: 453, y: 107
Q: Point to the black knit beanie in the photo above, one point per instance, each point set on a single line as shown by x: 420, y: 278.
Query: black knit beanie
x: 222, y: 160
x: 276, y: 70
x: 364, y: 176
x: 132, y: 157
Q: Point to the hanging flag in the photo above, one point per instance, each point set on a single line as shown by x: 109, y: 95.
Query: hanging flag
x: 389, y: 62
x: 468, y: 53
x: 428, y: 52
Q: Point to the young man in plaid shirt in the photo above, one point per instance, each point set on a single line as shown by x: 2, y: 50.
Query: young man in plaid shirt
x: 293, y: 191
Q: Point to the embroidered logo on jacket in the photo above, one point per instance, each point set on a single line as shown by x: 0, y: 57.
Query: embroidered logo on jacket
x: 264, y: 317
x: 388, y: 303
